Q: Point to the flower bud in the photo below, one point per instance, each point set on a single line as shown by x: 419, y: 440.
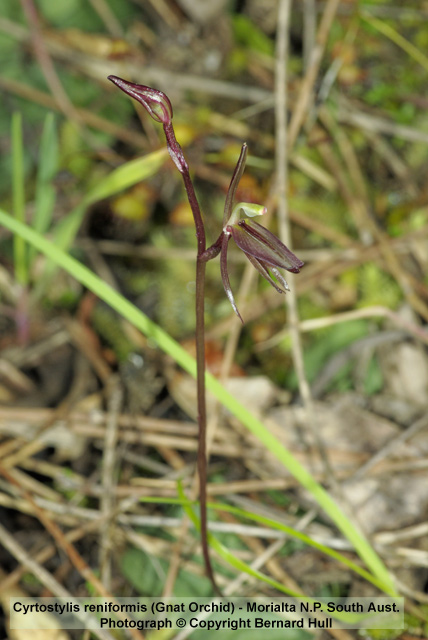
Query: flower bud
x: 155, y: 102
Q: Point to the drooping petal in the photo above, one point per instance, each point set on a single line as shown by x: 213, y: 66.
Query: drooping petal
x: 281, y: 278
x: 261, y: 268
x: 225, y: 275
x: 260, y: 243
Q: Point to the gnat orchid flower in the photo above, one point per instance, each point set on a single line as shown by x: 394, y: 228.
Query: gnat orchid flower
x: 260, y: 246
x: 263, y: 249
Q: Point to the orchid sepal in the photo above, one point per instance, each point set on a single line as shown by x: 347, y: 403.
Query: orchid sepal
x: 225, y: 274
x: 262, y: 244
x: 262, y: 248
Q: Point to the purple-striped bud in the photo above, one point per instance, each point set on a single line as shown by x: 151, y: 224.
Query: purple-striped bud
x: 155, y: 102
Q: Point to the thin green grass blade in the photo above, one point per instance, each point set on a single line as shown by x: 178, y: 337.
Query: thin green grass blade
x: 298, y: 535
x: 230, y: 558
x: 397, y: 38
x: 45, y: 190
x: 127, y: 175
x: 273, y: 524
x: 172, y: 348
x: 119, y: 179
x: 19, y: 246
x: 242, y: 567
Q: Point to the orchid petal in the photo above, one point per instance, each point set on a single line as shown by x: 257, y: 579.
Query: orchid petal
x: 260, y: 243
x: 265, y: 273
x: 281, y: 278
x: 225, y: 275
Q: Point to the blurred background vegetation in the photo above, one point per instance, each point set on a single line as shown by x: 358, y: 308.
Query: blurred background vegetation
x: 356, y: 173
x: 357, y: 193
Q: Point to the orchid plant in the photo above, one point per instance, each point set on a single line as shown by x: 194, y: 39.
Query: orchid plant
x: 262, y: 248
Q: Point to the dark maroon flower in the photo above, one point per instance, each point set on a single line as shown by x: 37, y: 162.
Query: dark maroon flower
x: 263, y: 249
x: 159, y: 107
x: 155, y: 102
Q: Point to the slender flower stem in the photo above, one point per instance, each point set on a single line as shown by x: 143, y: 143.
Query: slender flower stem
x: 202, y: 413
x: 180, y: 162
x: 265, y: 252
x: 159, y: 107
x: 193, y: 201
